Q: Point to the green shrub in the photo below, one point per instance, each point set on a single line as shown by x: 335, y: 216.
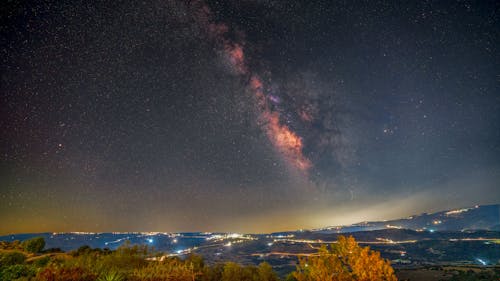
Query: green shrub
x: 11, y: 258
x: 213, y: 273
x: 111, y: 276
x: 233, y: 271
x: 34, y: 245
x: 196, y: 261
x: 83, y: 250
x: 17, y: 271
x: 42, y: 261
x: 126, y: 257
x: 290, y: 277
x: 53, y: 250
x: 266, y: 272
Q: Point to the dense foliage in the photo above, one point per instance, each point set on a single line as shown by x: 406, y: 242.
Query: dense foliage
x: 345, y: 260
x: 34, y: 245
x: 26, y: 261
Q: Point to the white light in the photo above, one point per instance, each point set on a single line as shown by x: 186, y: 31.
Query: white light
x: 150, y: 240
x: 269, y: 244
x: 174, y: 241
x: 179, y: 251
x: 481, y: 261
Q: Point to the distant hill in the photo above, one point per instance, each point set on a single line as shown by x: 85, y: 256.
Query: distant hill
x: 478, y: 221
x: 474, y: 218
x: 468, y: 236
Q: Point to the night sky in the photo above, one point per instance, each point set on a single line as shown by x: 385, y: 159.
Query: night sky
x: 248, y: 116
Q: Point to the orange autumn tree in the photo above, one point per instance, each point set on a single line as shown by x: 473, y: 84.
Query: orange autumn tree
x: 344, y: 261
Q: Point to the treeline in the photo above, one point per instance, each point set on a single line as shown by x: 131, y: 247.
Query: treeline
x: 345, y: 260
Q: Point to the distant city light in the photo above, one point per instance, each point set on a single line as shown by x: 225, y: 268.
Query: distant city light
x: 393, y: 226
x: 454, y: 212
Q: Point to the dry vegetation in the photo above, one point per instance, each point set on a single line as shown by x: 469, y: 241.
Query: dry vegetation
x: 345, y: 260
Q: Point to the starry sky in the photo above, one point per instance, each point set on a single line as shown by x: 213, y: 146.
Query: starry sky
x: 248, y: 116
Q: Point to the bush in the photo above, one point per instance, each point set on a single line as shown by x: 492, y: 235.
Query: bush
x: 345, y: 260
x: 170, y: 269
x: 87, y: 250
x: 34, y: 245
x: 213, y: 273
x: 53, y: 250
x: 233, y: 271
x: 266, y: 272
x: 53, y: 273
x: 111, y: 276
x: 130, y: 263
x: 83, y: 250
x: 42, y: 261
x: 11, y: 258
x: 17, y: 271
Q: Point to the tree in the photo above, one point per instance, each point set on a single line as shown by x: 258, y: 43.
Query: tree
x: 34, y: 245
x: 235, y: 272
x: 196, y: 261
x: 232, y: 271
x: 266, y: 272
x: 82, y: 250
x: 344, y: 261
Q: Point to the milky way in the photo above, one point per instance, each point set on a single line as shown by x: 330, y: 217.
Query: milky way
x: 285, y: 140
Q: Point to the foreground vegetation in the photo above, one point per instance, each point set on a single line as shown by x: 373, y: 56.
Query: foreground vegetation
x: 450, y: 273
x: 345, y: 260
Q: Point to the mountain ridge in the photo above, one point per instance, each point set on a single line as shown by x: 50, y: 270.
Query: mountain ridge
x: 479, y: 217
